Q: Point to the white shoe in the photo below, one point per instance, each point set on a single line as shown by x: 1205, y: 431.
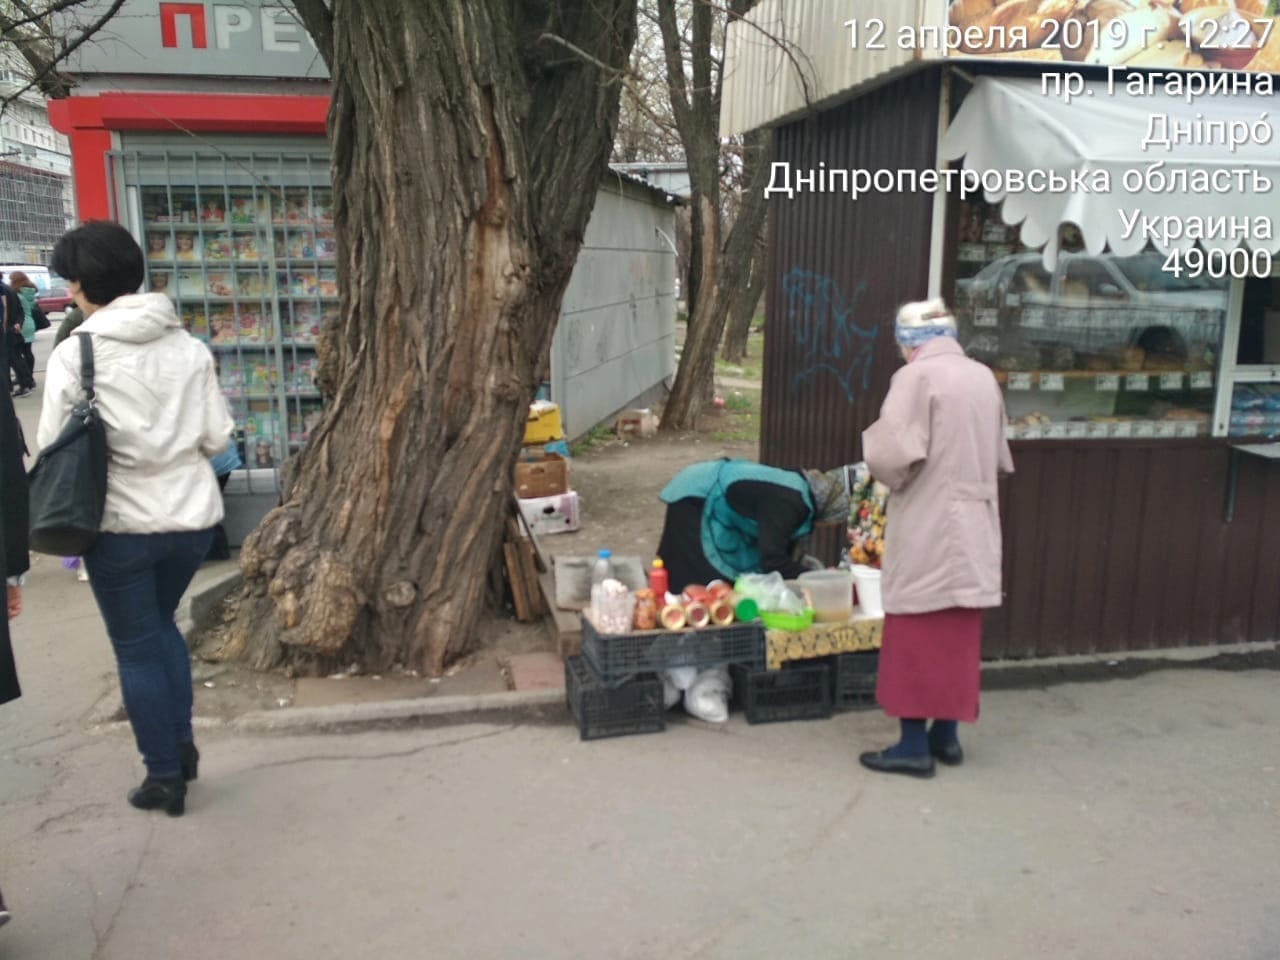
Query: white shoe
x: 83, y: 575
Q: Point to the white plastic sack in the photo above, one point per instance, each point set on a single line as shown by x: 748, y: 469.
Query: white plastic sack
x: 671, y: 694
x: 708, y: 698
x: 682, y: 678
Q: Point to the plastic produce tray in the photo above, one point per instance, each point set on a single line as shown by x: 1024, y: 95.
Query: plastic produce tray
x: 601, y: 711
x: 617, y: 657
x: 853, y: 680
x: 800, y: 692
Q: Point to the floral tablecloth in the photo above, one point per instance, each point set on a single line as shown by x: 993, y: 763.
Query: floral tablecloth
x: 822, y: 640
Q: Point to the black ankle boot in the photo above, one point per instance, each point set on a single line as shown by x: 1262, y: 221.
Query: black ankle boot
x: 167, y: 795
x: 190, y: 762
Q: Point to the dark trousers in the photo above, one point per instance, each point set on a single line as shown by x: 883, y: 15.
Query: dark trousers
x: 29, y: 357
x: 23, y: 369
x: 681, y: 546
x: 138, y: 581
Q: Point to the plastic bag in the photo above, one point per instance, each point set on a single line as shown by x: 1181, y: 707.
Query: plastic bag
x: 671, y: 694
x: 708, y: 698
x: 770, y: 592
x: 681, y: 677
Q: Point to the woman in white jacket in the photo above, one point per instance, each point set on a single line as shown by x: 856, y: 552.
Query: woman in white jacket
x: 158, y: 395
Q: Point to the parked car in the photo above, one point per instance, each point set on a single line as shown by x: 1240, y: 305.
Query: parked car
x: 52, y: 293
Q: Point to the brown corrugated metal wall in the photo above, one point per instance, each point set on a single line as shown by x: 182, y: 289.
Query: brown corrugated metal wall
x: 839, y: 269
x: 1126, y: 547
x: 1108, y: 547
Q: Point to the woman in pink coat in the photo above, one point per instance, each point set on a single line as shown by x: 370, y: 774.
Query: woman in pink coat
x: 939, y: 446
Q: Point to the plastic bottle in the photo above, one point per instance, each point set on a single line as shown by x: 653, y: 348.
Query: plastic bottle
x: 602, y: 569
x: 659, y: 579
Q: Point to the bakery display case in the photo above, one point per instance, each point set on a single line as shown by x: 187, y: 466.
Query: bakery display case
x: 250, y: 264
x: 1100, y: 347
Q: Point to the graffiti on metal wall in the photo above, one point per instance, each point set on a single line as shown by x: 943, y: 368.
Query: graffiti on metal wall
x: 822, y: 323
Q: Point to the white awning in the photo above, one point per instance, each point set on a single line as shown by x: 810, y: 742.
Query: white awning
x: 1010, y: 124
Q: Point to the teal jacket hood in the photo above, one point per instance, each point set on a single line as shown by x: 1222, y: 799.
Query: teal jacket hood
x: 730, y: 540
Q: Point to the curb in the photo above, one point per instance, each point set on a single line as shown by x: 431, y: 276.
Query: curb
x: 196, y: 605
x: 474, y: 708
x: 1094, y: 668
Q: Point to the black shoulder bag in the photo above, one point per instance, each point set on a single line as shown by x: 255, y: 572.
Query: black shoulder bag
x: 69, y: 480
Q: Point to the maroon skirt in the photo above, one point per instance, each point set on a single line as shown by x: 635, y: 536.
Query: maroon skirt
x: 930, y: 665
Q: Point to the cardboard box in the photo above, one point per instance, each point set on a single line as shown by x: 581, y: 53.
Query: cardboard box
x: 544, y: 476
x: 551, y: 515
x: 544, y: 423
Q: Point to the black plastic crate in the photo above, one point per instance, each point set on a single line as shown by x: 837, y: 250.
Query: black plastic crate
x: 853, y: 680
x: 615, y: 658
x: 799, y: 691
x: 600, y: 711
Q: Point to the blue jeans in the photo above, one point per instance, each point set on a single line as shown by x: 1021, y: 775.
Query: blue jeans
x: 138, y: 580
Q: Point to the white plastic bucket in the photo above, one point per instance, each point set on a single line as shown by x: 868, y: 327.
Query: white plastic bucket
x: 867, y: 580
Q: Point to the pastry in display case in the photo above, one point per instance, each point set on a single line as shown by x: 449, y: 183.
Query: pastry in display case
x: 1099, y: 346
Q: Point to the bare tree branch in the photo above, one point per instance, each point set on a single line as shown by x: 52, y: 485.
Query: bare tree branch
x: 677, y: 85
x: 45, y: 62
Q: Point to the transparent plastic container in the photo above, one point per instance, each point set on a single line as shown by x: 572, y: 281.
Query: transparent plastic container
x: 832, y: 592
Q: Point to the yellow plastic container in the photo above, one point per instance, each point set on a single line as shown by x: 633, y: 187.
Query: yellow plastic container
x: 544, y: 424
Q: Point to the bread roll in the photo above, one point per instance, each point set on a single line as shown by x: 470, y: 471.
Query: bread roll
x: 1170, y: 54
x: 1252, y: 8
x: 965, y: 13
x: 1267, y: 59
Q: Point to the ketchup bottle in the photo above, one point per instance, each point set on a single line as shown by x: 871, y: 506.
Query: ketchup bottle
x: 659, y: 580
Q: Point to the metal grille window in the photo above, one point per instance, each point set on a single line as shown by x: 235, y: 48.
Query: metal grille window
x: 32, y: 210
x: 244, y: 245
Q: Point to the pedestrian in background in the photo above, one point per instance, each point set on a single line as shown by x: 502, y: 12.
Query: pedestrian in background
x: 939, y: 446
x: 165, y: 417
x: 14, y: 555
x: 33, y: 318
x: 22, y: 376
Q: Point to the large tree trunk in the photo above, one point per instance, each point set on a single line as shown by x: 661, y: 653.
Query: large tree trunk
x: 467, y: 146
x: 724, y: 271
x: 744, y: 306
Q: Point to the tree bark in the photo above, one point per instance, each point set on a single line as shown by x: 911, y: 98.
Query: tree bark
x: 724, y: 272
x: 743, y: 309
x: 468, y: 139
x: 723, y: 259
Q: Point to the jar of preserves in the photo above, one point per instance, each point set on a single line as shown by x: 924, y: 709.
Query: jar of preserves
x: 646, y: 610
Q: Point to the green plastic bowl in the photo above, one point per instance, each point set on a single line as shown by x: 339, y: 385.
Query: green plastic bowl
x: 787, y: 621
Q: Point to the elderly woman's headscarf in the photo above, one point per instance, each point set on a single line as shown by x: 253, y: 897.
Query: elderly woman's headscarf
x: 830, y: 494
x: 918, y: 323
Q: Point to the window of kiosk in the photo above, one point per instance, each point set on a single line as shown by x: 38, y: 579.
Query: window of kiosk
x: 245, y: 247
x: 1100, y: 347
x: 1250, y: 406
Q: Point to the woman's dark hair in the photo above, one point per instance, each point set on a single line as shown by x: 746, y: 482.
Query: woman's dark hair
x: 103, y: 258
